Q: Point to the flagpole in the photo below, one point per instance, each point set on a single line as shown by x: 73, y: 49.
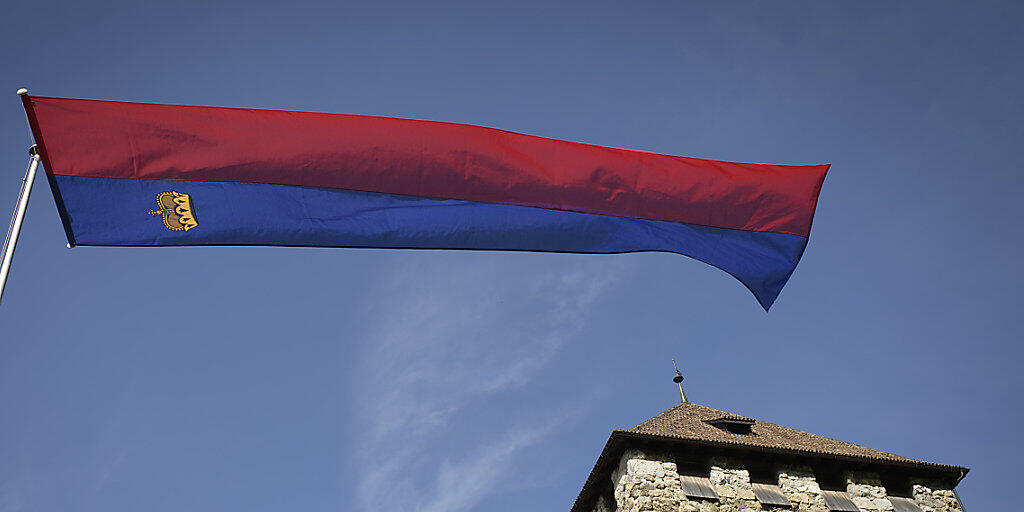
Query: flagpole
x: 18, y: 218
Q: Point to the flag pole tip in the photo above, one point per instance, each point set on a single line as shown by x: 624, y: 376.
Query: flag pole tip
x: 21, y: 92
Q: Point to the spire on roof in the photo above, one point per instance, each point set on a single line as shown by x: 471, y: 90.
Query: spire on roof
x: 678, y: 379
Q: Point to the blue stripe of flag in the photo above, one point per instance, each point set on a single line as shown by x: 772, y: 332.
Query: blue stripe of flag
x: 111, y: 211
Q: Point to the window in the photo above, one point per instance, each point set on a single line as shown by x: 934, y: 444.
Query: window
x: 693, y: 476
x: 770, y: 494
x: 897, y: 485
x: 900, y: 504
x: 733, y: 425
x: 698, y: 487
x: 839, y: 501
x: 763, y: 473
x: 832, y: 479
x: 764, y: 477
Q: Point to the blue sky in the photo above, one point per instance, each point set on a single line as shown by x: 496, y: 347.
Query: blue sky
x: 267, y: 379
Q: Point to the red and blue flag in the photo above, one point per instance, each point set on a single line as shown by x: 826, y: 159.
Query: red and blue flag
x: 140, y: 174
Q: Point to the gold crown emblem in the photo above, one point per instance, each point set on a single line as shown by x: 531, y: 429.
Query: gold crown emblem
x: 176, y: 210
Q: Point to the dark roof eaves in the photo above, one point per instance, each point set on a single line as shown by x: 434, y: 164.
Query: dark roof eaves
x: 587, y: 494
x: 796, y: 451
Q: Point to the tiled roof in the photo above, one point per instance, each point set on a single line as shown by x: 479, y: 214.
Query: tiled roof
x: 690, y: 421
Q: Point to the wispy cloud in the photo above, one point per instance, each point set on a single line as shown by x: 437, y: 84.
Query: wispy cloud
x: 109, y: 467
x: 463, y: 484
x: 448, y: 332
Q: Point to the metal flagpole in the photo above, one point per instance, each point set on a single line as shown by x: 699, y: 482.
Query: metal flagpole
x: 18, y: 218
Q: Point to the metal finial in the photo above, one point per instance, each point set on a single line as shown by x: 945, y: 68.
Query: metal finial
x: 678, y: 379
x: 23, y: 91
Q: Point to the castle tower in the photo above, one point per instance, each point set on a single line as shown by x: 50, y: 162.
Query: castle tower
x: 693, y: 458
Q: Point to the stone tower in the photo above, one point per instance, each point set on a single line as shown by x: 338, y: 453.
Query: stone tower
x: 693, y: 458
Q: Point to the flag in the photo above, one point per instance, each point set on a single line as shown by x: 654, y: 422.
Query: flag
x: 142, y: 174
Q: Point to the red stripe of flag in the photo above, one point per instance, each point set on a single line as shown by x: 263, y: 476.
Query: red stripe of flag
x: 419, y: 158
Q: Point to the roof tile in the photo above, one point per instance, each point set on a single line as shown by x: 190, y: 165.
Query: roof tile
x: 689, y: 421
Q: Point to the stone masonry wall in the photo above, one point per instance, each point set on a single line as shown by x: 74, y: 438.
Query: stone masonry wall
x: 649, y: 482
x: 932, y: 498
x: 867, y: 492
x: 646, y: 483
x: 799, y: 485
x: 732, y: 483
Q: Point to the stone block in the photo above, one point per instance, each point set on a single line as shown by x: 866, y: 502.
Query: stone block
x: 725, y: 491
x: 640, y: 467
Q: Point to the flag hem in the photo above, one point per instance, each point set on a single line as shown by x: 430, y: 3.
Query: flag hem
x: 58, y: 200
